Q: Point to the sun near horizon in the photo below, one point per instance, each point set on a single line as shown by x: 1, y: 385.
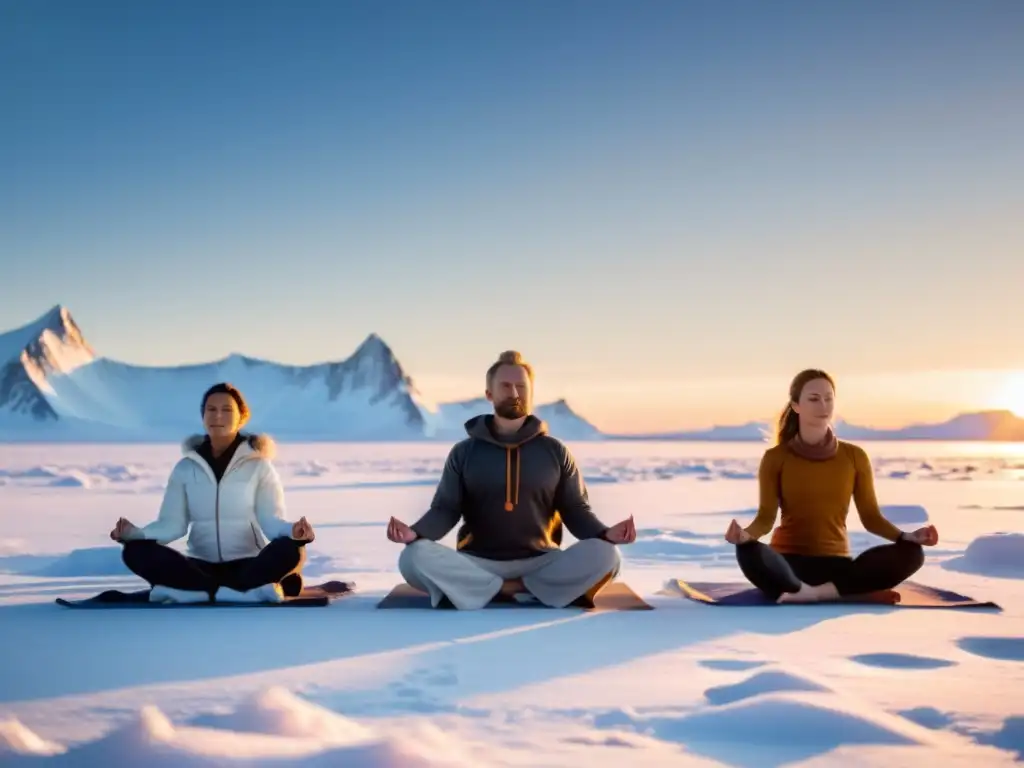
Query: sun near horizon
x: 1010, y: 396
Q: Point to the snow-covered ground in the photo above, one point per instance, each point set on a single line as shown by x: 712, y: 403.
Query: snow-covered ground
x: 349, y: 685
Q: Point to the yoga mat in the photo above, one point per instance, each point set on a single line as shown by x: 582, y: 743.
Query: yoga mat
x: 310, y: 597
x: 615, y: 596
x: 739, y: 593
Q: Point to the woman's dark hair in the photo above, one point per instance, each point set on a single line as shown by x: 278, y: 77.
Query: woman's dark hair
x: 224, y: 388
x: 789, y: 420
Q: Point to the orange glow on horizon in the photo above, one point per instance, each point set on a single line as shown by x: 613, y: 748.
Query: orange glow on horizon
x: 1010, y: 396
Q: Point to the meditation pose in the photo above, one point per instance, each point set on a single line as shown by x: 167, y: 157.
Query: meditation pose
x: 812, y: 476
x: 241, y: 549
x: 513, y: 485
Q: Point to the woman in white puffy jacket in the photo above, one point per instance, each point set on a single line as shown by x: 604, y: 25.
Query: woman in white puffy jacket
x: 225, y: 488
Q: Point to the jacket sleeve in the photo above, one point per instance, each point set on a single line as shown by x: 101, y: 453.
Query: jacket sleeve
x: 446, y: 507
x: 172, y: 521
x: 270, y: 506
x: 768, y: 475
x: 573, y: 501
x: 867, y: 503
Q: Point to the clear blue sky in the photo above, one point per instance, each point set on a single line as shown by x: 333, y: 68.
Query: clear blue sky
x: 642, y: 197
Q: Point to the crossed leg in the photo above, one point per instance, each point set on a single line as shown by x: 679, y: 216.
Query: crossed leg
x: 556, y: 578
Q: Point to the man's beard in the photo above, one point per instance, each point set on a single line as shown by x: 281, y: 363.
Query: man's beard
x: 511, y: 409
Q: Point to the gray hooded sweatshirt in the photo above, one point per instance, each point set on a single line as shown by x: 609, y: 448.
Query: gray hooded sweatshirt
x: 512, y: 494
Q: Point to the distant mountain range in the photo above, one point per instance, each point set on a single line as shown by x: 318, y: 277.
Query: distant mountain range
x: 54, y: 386
x: 1001, y: 426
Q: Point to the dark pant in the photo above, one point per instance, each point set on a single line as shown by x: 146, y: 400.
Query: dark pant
x: 278, y: 562
x: 878, y: 568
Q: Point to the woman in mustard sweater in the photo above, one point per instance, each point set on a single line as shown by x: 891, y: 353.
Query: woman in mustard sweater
x: 811, y: 476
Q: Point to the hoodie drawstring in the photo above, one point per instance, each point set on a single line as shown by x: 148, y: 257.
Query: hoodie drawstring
x: 511, y: 492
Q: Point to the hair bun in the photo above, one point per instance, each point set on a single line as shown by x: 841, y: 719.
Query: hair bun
x: 511, y: 357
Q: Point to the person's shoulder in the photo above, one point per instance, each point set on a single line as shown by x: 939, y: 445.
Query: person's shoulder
x: 854, y: 453
x: 459, y: 447
x: 263, y: 446
x: 553, y: 444
x: 459, y: 451
x: 774, y: 454
x: 852, y: 450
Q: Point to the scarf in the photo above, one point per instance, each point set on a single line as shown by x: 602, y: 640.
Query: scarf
x: 826, y: 449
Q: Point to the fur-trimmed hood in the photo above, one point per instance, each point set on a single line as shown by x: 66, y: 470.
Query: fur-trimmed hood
x: 262, y: 444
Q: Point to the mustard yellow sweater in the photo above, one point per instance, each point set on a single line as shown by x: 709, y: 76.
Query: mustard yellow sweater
x: 814, y: 497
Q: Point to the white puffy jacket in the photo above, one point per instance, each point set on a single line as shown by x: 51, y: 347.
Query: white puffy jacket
x: 229, y: 520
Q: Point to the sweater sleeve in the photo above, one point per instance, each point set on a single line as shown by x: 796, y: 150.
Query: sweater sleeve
x: 866, y: 501
x: 768, y: 475
x: 573, y: 501
x: 270, y: 505
x: 446, y: 507
x: 172, y: 521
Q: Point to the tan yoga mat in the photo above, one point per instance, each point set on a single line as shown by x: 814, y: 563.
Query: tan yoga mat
x: 909, y: 594
x: 616, y: 596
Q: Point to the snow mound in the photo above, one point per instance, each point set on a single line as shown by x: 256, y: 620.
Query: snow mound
x: 272, y: 728
x: 791, y: 726
x: 997, y: 554
x: 278, y: 711
x: 312, y: 469
x: 118, y: 473
x: 93, y: 561
x: 769, y: 681
x: 32, y: 473
x: 905, y: 514
x: 16, y: 739
x: 72, y: 479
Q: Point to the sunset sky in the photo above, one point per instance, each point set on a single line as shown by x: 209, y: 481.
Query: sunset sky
x: 670, y: 208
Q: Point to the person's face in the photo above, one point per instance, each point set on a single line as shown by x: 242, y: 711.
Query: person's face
x: 221, y: 416
x: 816, y: 403
x: 511, y: 392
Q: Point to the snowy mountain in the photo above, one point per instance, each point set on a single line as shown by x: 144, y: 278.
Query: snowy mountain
x: 562, y: 420
x: 53, y: 386
x: 51, y: 346
x: 986, y: 425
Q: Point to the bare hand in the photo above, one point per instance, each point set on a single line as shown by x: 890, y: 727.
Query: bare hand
x: 303, y: 530
x: 926, y: 537
x: 736, y: 535
x: 400, y: 533
x: 123, y: 529
x: 622, y: 533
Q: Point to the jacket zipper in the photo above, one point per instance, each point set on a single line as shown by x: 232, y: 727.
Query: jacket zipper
x: 216, y: 511
x: 216, y: 517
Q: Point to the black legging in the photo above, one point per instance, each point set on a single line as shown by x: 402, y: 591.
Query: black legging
x: 878, y: 568
x: 278, y: 562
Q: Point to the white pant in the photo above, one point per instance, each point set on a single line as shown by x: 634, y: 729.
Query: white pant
x: 556, y: 578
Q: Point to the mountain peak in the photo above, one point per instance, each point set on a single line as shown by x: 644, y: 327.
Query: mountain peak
x: 374, y: 345
x: 57, y: 321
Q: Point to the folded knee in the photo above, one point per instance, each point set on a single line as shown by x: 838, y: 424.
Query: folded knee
x: 605, y: 555
x: 134, y: 551
x: 291, y: 551
x: 913, y: 554
x: 412, y: 554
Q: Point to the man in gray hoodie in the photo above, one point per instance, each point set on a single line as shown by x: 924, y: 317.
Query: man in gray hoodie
x: 513, y: 486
